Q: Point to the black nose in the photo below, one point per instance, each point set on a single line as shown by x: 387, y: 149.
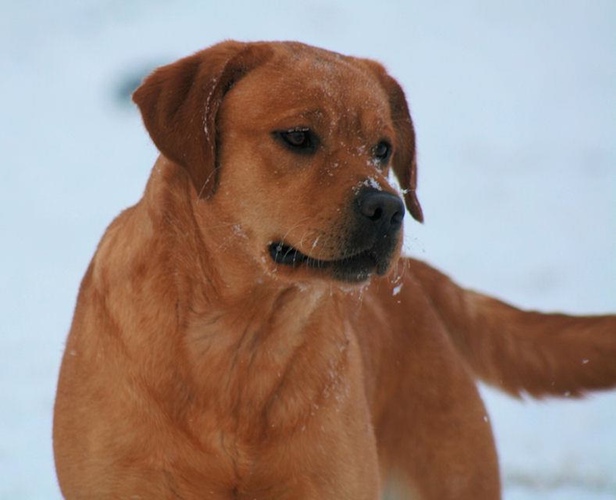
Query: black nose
x: 384, y: 210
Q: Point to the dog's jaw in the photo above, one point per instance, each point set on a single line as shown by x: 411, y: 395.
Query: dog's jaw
x: 352, y: 268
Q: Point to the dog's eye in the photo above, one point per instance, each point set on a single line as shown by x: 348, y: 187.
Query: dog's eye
x: 382, y: 151
x: 300, y: 140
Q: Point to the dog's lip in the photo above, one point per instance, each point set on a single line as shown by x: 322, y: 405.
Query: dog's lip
x: 284, y: 254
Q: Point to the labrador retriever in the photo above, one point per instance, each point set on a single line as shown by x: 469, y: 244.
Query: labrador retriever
x: 249, y: 330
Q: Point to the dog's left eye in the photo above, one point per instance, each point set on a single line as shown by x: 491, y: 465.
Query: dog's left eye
x: 301, y: 140
x: 382, y: 151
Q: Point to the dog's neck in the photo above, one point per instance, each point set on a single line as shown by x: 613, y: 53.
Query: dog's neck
x: 279, y: 367
x: 247, y: 327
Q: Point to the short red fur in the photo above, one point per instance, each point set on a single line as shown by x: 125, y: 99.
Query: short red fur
x: 248, y: 328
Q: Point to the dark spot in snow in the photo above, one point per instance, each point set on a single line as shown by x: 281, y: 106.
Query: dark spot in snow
x: 129, y: 80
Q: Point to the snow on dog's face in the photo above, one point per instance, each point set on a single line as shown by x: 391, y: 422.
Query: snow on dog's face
x: 292, y: 146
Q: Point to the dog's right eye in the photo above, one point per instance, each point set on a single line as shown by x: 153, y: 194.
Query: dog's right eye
x: 300, y: 140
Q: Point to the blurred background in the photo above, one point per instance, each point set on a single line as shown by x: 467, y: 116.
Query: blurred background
x: 515, y: 109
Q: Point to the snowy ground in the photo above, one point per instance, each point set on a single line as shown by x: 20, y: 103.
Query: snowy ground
x: 514, y: 106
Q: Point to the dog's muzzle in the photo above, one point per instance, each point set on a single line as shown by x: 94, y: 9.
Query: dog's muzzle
x: 371, y: 241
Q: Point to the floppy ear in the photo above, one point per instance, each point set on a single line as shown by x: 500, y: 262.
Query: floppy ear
x: 405, y: 155
x: 179, y: 103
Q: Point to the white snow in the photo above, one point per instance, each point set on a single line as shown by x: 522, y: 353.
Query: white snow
x: 372, y: 183
x: 514, y: 108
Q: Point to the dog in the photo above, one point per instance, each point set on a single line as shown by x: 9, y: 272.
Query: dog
x: 249, y: 329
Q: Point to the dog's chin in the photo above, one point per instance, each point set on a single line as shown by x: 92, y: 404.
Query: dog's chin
x: 355, y: 268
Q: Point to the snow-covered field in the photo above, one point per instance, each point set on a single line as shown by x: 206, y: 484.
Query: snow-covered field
x: 514, y: 103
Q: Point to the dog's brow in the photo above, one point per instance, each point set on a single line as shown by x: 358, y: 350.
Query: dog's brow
x: 313, y: 115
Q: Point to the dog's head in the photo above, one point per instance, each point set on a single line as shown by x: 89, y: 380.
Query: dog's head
x: 291, y: 147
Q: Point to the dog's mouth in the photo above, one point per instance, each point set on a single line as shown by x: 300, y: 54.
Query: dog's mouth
x: 352, y: 268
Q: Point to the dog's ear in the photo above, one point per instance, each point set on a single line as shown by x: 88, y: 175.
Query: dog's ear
x: 179, y: 103
x: 405, y: 154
